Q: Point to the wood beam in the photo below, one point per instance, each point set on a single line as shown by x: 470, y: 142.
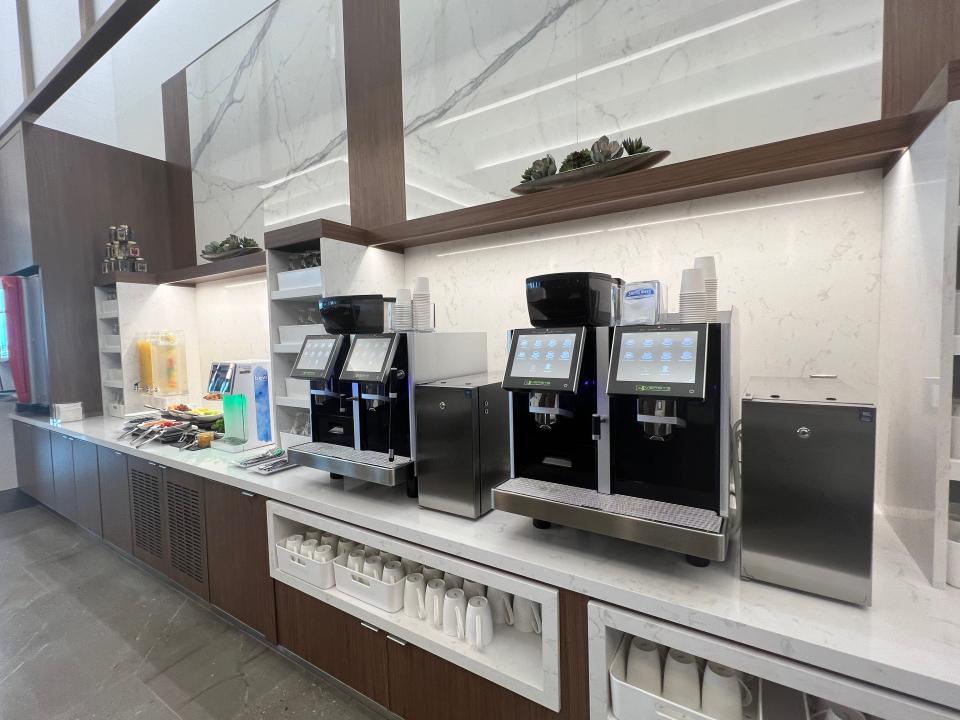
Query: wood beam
x: 88, y: 15
x: 374, y: 90
x: 176, y: 138
x: 26, y: 49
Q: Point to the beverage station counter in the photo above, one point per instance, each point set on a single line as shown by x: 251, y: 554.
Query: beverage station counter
x: 898, y: 657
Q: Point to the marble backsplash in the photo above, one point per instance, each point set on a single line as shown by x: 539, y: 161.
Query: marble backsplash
x: 800, y: 262
x: 488, y: 87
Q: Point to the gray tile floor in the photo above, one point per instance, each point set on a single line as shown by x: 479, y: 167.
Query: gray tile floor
x: 86, y: 634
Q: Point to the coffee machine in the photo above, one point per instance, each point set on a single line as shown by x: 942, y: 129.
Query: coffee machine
x: 623, y: 431
x: 373, y: 388
x: 320, y: 361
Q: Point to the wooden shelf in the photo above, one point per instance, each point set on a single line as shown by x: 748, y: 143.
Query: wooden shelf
x: 307, y: 236
x: 866, y: 146
x: 252, y: 264
x: 106, y: 279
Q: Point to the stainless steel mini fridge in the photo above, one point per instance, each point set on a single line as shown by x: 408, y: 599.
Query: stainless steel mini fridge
x: 807, y: 486
x: 463, y: 443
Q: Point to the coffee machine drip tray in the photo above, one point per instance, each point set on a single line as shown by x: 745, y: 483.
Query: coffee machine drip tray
x: 689, y: 530
x: 369, y: 465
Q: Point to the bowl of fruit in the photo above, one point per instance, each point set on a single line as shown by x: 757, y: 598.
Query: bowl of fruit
x: 197, y: 414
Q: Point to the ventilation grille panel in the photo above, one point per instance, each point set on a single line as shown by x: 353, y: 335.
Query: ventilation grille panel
x: 147, y: 512
x: 185, y: 516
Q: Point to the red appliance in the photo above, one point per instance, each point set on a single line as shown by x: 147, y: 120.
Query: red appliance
x: 26, y: 338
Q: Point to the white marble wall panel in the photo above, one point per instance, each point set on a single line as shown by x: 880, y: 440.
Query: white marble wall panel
x: 918, y: 281
x: 350, y: 269
x: 268, y: 123
x: 801, y: 262
x: 489, y: 88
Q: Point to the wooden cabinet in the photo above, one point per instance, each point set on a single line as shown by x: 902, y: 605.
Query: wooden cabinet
x: 87, y: 476
x: 238, y: 557
x: 64, y: 480
x: 167, y: 520
x: 42, y: 466
x: 339, y: 644
x: 115, y: 498
x: 23, y: 449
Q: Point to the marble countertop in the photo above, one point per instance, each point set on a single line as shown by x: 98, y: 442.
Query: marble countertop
x: 908, y: 641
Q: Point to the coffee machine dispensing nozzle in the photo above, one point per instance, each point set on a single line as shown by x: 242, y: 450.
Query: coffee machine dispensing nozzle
x: 546, y: 408
x: 659, y: 418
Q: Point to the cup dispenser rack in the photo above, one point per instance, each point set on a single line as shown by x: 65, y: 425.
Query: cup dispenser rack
x: 780, y: 688
x: 526, y: 663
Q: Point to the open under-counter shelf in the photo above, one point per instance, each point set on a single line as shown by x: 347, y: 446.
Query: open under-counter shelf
x: 525, y: 663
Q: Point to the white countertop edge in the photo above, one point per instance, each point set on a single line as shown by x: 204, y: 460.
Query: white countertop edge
x: 909, y: 641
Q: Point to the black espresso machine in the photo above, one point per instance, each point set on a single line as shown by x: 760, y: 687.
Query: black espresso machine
x: 623, y: 430
x: 363, y: 379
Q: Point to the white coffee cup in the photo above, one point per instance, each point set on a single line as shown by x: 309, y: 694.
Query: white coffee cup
x: 345, y: 547
x: 681, y: 680
x: 707, y: 264
x: 414, y: 596
x: 839, y: 712
x: 329, y: 539
x: 479, y: 622
x: 312, y: 535
x: 355, y: 560
x: 501, y: 605
x: 454, y: 613
x: 471, y: 588
x: 526, y: 615
x: 403, y: 295
x: 370, y: 551
x: 421, y: 285
x: 388, y: 556
x: 373, y: 567
x: 452, y: 581
x: 693, y: 281
x: 433, y: 600
x: 307, y: 547
x: 392, y: 571
x: 293, y: 543
x: 724, y: 694
x: 323, y: 553
x: 643, y: 666
x: 430, y: 573
x: 411, y: 566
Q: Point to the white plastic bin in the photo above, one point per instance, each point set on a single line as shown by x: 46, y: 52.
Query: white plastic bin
x: 386, y: 596
x: 316, y: 572
x: 306, y: 278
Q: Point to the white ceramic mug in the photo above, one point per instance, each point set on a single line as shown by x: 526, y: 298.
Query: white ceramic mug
x: 355, y: 560
x: 329, y: 539
x: 479, y: 622
x: 643, y: 666
x: 471, y: 588
x: 392, y: 571
x: 307, y: 547
x: 323, y: 553
x: 681, y: 679
x: 724, y: 694
x: 452, y: 581
x: 838, y: 712
x: 454, y: 613
x: 373, y: 567
x: 430, y: 573
x: 526, y: 615
x: 345, y: 547
x: 293, y: 542
x: 312, y: 535
x: 389, y: 556
x: 414, y: 596
x: 433, y: 600
x: 501, y: 605
x: 370, y: 551
x: 411, y: 566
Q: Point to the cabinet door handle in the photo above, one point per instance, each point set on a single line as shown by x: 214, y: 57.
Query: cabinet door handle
x: 398, y: 641
x: 247, y: 494
x: 368, y: 626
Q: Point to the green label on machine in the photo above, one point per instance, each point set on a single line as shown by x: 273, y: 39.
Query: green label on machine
x: 652, y: 388
x: 536, y: 383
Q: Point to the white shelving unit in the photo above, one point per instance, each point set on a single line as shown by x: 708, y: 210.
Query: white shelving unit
x: 525, y: 663
x: 346, y: 268
x: 609, y: 625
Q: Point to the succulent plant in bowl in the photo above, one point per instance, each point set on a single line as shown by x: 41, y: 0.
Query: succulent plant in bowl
x: 634, y: 146
x: 605, y: 149
x: 540, y: 169
x: 576, y: 159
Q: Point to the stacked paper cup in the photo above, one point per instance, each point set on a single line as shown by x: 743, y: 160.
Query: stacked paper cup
x: 422, y: 307
x: 708, y: 265
x: 403, y: 311
x: 693, y: 296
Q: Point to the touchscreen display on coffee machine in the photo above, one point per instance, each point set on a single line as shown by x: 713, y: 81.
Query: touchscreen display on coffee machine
x: 369, y: 358
x: 541, y: 359
x: 315, y: 358
x: 663, y: 360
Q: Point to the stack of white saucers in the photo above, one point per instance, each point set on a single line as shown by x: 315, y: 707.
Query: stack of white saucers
x: 708, y: 265
x: 422, y: 307
x: 403, y: 311
x: 693, y: 297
